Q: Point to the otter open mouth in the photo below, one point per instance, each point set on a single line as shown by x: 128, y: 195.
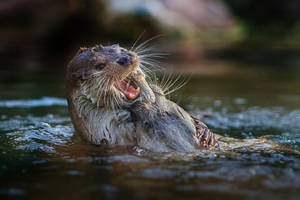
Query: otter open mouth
x: 128, y: 88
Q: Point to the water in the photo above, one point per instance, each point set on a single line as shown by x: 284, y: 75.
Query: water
x: 41, y: 158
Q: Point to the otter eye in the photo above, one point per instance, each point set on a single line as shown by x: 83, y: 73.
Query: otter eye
x: 100, y: 66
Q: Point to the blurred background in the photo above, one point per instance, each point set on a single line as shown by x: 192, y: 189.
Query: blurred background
x: 242, y: 59
x: 43, y: 34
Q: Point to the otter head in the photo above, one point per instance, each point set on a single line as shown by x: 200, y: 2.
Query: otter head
x: 109, y: 76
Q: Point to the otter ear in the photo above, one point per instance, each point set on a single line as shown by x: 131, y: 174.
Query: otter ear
x: 98, y: 48
x: 81, y: 49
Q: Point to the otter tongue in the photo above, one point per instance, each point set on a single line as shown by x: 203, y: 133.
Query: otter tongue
x: 127, y: 89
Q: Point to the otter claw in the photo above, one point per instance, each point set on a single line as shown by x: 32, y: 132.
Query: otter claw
x: 204, y: 137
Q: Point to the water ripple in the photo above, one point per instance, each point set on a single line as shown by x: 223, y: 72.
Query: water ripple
x: 37, y: 133
x: 256, y: 118
x: 44, y: 101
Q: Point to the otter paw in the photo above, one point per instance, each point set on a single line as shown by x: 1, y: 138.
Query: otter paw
x: 205, y: 138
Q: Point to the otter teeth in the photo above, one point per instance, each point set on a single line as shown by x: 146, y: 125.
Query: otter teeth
x: 128, y: 84
x: 138, y: 89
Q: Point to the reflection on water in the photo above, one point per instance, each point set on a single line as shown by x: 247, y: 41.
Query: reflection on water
x: 41, y: 158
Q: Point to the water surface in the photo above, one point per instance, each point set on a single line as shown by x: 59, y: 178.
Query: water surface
x: 42, y: 158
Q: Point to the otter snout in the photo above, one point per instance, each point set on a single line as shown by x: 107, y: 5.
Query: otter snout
x: 125, y: 61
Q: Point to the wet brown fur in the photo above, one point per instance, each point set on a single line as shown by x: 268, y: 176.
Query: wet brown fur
x: 101, y: 113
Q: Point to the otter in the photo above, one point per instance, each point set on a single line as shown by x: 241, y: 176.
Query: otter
x: 111, y: 102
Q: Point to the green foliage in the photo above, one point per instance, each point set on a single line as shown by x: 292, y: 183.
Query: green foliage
x: 266, y: 20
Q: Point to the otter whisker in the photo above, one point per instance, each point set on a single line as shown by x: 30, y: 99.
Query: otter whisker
x: 145, y: 69
x: 113, y: 102
x: 101, y: 89
x: 164, y: 80
x: 117, y: 100
x: 171, y: 83
x: 145, y: 50
x: 148, y: 58
x: 153, y: 78
x: 151, y: 58
x: 146, y: 42
x: 135, y: 42
x: 151, y: 64
x: 98, y: 94
x: 180, y: 85
x: 167, y: 82
x: 141, y: 47
x: 153, y: 55
x: 106, y: 95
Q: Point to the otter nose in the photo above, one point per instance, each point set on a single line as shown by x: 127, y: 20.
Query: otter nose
x: 124, y: 61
